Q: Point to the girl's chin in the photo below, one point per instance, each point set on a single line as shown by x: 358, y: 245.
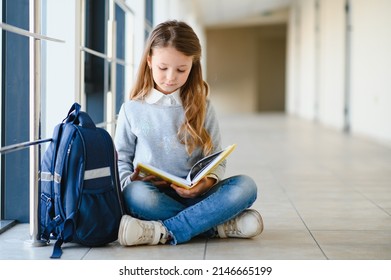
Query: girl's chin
x: 167, y: 90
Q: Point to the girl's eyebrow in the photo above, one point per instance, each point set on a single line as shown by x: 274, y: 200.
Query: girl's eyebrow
x: 184, y: 65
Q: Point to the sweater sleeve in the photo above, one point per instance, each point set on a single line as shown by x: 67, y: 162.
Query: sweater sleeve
x: 125, y: 142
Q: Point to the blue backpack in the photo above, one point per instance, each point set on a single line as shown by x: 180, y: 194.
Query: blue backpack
x: 80, y: 190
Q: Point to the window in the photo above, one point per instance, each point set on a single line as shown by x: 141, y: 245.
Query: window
x: 14, y: 100
x: 106, y: 48
x: 108, y: 59
x: 148, y: 17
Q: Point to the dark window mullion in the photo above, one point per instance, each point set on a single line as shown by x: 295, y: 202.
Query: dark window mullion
x: 15, y: 112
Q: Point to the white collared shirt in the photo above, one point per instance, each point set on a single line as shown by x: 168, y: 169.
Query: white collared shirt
x: 159, y: 98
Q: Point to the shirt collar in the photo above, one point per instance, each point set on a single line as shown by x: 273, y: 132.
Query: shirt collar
x: 159, y: 98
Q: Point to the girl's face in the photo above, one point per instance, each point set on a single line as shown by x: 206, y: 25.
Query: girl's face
x: 170, y: 68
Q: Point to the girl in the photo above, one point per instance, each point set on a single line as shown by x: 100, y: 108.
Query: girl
x: 170, y: 124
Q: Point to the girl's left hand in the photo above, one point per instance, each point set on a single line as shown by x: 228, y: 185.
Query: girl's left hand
x: 202, y: 187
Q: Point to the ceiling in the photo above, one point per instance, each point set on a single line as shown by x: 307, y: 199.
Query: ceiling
x: 220, y: 13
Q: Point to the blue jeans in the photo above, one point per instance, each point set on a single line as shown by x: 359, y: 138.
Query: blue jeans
x: 186, y: 218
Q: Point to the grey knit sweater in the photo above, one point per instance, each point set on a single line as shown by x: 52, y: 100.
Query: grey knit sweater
x: 148, y: 133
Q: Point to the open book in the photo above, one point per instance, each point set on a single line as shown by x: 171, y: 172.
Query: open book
x: 198, y: 171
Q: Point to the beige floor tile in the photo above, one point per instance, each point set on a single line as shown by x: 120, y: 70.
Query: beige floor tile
x: 280, y: 217
x: 355, y: 245
x: 193, y: 250
x: 15, y: 244
x: 271, y: 244
x: 378, y: 193
x: 351, y: 217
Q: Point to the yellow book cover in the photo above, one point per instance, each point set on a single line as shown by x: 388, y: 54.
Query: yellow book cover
x: 198, y: 171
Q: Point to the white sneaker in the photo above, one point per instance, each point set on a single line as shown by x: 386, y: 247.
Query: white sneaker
x: 247, y: 224
x: 133, y: 231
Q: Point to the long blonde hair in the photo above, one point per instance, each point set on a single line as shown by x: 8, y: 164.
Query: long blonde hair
x: 193, y: 93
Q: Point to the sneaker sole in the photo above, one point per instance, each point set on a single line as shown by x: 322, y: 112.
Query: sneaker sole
x: 125, y: 220
x: 260, y: 221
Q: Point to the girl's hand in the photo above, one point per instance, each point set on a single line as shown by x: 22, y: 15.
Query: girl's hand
x: 149, y: 178
x: 199, y: 189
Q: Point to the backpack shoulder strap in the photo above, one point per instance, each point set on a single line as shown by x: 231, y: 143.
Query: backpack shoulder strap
x: 64, y: 221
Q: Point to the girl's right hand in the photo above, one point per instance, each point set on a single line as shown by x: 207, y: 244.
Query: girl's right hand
x: 149, y: 178
x: 136, y: 176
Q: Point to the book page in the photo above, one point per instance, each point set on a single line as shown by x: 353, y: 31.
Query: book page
x: 146, y: 169
x: 201, y: 164
x: 208, y: 164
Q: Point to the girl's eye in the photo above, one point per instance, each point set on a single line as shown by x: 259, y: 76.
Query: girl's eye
x: 164, y: 69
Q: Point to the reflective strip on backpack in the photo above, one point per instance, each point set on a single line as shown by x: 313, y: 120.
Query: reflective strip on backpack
x: 97, y: 173
x: 57, y: 178
x: 46, y: 176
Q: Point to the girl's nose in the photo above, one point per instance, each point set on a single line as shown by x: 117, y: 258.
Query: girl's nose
x: 171, y: 76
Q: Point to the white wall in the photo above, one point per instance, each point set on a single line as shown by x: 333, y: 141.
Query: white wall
x: 331, y: 62
x: 292, y: 59
x: 59, y: 62
x: 307, y: 60
x: 138, y: 7
x: 371, y: 68
x: 317, y: 75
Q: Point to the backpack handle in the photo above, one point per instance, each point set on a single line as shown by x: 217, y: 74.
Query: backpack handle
x: 73, y: 113
x: 85, y: 120
x: 77, y: 117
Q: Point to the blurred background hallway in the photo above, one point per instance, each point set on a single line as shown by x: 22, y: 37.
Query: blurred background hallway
x: 302, y: 86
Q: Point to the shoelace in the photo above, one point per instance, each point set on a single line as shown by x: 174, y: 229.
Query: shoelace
x: 148, y: 232
x: 231, y: 227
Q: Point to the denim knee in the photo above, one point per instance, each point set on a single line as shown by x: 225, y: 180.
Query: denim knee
x: 249, y: 185
x: 138, y: 197
x: 243, y: 188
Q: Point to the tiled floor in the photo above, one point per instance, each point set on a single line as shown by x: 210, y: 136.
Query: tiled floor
x: 323, y: 195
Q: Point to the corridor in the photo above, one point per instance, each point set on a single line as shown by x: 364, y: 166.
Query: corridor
x: 323, y: 195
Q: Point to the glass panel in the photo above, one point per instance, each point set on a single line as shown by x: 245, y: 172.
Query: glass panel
x: 149, y: 11
x: 120, y: 87
x: 124, y: 49
x: 120, y: 18
x: 148, y: 18
x: 1, y: 112
x: 95, y: 86
x: 14, y: 110
x: 96, y: 25
x: 101, y: 102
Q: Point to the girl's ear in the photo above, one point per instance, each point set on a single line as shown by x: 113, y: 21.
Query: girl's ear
x: 149, y: 61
